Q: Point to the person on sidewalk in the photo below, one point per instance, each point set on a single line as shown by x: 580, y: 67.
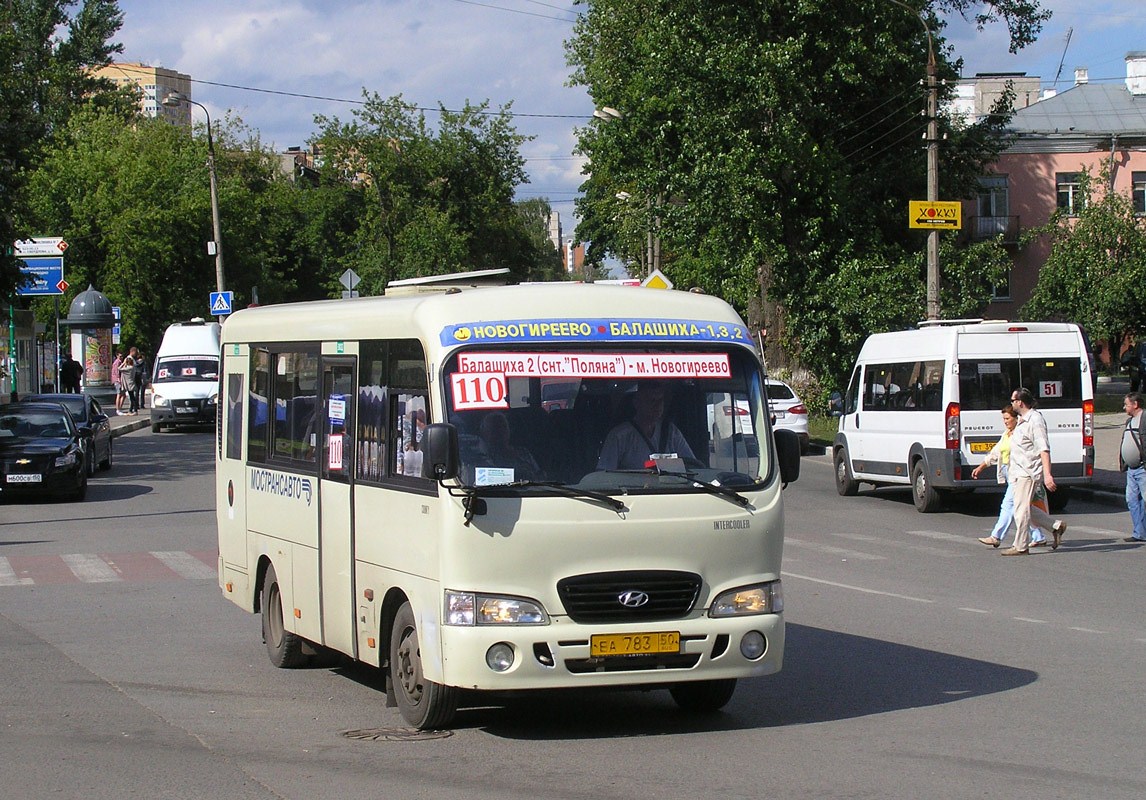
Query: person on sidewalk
x: 1030, y: 465
x: 127, y: 379
x: 1001, y: 454
x: 120, y: 394
x: 1130, y: 460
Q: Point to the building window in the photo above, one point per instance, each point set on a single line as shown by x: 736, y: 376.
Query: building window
x: 1002, y: 291
x: 1070, y: 199
x: 992, y: 206
x: 1138, y: 189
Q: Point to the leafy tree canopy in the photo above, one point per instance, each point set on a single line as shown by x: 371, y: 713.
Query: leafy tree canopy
x: 1096, y: 263
x: 770, y: 144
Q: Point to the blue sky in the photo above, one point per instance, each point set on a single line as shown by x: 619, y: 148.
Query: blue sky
x: 500, y: 50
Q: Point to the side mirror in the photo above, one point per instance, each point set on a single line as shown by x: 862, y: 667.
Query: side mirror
x: 836, y: 404
x: 787, y: 454
x: 440, y: 451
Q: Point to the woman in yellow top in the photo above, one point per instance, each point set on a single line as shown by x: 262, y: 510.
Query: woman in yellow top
x: 1001, y: 454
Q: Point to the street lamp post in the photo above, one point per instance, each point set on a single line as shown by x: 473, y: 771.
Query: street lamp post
x: 932, y: 165
x: 174, y: 100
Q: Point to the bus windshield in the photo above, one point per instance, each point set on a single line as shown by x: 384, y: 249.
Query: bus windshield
x: 608, y: 420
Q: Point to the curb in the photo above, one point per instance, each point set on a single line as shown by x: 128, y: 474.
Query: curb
x: 128, y: 427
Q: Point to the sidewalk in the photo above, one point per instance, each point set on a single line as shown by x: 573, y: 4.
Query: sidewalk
x: 126, y: 423
x: 1109, y: 484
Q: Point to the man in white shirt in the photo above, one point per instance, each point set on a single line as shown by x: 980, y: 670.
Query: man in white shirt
x: 1130, y: 459
x: 631, y: 444
x: 1030, y: 465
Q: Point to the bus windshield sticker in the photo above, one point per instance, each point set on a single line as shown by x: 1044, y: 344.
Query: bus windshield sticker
x: 476, y: 390
x: 492, y: 476
x: 587, y: 365
x: 595, y: 330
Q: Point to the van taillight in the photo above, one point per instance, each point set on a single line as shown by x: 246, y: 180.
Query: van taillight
x: 1088, y: 423
x: 953, y: 428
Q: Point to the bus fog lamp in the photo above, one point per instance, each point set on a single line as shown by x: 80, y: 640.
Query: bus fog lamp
x: 753, y: 645
x: 499, y: 657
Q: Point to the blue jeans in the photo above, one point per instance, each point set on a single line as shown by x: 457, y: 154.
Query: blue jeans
x: 1135, y: 497
x: 1007, y: 515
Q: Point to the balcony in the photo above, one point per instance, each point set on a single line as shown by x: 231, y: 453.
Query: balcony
x: 982, y: 228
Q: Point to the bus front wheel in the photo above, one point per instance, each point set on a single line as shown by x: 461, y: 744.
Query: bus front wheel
x: 424, y: 704
x: 702, y: 696
x: 283, y: 647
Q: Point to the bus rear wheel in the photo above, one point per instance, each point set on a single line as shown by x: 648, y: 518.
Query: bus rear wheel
x: 424, y: 704
x: 283, y: 647
x: 703, y: 696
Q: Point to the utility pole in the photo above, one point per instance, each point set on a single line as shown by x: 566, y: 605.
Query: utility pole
x: 932, y: 179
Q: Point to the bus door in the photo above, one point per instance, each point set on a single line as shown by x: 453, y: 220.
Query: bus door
x: 335, y: 491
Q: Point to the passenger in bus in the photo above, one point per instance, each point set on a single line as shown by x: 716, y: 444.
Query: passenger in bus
x: 631, y: 444
x: 495, y: 450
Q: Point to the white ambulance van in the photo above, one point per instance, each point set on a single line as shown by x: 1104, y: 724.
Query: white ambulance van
x: 922, y: 406
x: 185, y: 381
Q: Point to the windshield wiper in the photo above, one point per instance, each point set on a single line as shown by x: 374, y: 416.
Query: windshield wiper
x: 560, y: 488
x: 711, y: 488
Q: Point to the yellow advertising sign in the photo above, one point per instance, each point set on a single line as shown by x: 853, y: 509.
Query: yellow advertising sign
x: 935, y: 214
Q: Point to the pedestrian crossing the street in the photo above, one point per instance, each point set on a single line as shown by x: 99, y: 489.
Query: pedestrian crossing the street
x: 153, y: 566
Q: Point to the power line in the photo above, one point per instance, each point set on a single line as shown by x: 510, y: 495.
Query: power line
x: 517, y: 10
x: 281, y: 93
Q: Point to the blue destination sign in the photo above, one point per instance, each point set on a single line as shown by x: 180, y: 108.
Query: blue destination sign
x: 595, y: 330
x: 46, y: 273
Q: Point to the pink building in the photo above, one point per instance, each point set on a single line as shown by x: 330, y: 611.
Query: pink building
x: 1086, y: 127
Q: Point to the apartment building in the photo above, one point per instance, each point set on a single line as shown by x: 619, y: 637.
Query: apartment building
x: 155, y: 83
x: 1086, y: 127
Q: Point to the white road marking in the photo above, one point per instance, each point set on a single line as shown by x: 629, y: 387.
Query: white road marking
x: 90, y: 568
x: 834, y: 551
x: 857, y: 588
x: 1028, y: 619
x: 974, y: 610
x: 184, y: 564
x: 8, y: 575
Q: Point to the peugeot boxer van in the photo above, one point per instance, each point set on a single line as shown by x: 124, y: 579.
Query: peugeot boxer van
x: 922, y: 406
x: 185, y: 382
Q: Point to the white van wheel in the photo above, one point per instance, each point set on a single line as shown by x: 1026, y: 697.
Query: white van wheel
x: 846, y: 485
x: 926, y: 498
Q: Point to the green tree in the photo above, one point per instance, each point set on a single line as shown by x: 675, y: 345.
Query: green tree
x: 1097, y: 260
x: 132, y: 200
x: 771, y: 144
x: 47, y: 55
x: 433, y: 201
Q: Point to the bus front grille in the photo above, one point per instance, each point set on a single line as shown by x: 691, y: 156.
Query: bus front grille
x: 631, y: 596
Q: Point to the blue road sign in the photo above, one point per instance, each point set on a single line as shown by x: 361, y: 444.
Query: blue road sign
x: 46, y: 272
x: 221, y: 302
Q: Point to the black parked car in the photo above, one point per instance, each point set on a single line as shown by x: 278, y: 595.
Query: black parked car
x: 88, y: 415
x: 41, y: 451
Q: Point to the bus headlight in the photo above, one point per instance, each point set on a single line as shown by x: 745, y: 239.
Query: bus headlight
x: 763, y: 598
x: 159, y: 401
x: 467, y: 608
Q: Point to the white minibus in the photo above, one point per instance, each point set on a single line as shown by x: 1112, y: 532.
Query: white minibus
x: 922, y: 407
x: 398, y: 481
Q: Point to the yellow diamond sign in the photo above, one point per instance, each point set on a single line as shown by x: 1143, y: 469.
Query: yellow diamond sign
x: 656, y: 280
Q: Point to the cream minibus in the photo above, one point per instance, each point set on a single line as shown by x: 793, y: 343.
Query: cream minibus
x: 417, y: 481
x: 922, y: 407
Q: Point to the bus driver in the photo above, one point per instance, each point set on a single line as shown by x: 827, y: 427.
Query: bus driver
x: 630, y: 444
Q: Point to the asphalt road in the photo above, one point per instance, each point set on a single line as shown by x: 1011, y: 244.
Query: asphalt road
x: 920, y: 664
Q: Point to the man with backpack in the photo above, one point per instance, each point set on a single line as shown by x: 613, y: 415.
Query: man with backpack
x: 1130, y: 459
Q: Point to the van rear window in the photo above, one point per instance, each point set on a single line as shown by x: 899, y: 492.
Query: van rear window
x: 987, y: 383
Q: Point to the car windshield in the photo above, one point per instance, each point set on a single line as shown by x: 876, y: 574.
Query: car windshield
x: 34, y: 423
x: 608, y: 421
x: 169, y: 370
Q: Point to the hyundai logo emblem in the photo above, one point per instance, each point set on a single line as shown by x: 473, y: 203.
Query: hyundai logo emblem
x: 633, y: 598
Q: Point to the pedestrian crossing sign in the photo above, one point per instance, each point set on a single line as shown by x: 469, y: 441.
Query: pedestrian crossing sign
x: 221, y: 303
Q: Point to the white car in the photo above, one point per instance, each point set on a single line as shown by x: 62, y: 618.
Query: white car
x: 788, y: 411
